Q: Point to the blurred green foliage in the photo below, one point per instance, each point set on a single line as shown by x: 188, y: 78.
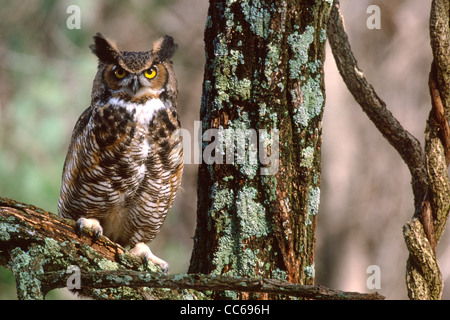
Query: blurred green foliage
x: 46, y: 74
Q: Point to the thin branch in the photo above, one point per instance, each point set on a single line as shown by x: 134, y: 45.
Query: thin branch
x: 428, y: 167
x: 200, y: 282
x: 406, y: 144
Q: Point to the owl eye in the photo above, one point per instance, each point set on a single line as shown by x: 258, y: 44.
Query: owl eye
x: 150, y: 73
x: 120, y: 73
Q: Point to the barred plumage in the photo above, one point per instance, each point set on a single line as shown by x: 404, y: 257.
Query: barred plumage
x: 125, y: 160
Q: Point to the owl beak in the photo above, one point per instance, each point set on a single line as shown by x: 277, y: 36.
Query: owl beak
x: 135, y: 84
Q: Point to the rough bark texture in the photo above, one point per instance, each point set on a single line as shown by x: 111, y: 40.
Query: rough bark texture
x: 264, y: 70
x: 423, y: 277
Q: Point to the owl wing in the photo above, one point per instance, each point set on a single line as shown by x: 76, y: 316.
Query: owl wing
x: 100, y: 168
x: 65, y: 209
x: 80, y: 126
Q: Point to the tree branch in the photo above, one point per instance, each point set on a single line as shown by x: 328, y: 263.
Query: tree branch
x: 34, y: 242
x: 440, y: 45
x: 423, y: 277
x: 431, y: 185
x: 114, y: 279
x: 405, y: 143
x: 39, y: 247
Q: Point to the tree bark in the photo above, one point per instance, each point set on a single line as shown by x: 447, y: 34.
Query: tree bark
x: 264, y: 71
x: 423, y: 231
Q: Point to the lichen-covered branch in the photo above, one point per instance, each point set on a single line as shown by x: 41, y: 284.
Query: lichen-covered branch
x: 38, y: 247
x: 34, y: 242
x: 423, y: 276
x: 119, y: 278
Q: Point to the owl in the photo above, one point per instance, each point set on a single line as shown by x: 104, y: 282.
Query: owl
x: 125, y: 159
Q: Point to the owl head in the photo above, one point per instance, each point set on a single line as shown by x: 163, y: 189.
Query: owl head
x: 134, y: 76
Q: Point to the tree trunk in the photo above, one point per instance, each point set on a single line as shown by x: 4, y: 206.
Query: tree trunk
x: 261, y: 111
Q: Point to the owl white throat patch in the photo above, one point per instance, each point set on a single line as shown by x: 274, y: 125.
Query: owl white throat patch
x: 144, y: 112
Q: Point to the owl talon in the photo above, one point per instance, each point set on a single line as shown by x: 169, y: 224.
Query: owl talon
x: 97, y: 234
x: 145, y: 262
x: 79, y: 227
x: 143, y: 251
x: 93, y: 224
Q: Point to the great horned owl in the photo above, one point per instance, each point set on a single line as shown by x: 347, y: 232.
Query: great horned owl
x: 124, y: 163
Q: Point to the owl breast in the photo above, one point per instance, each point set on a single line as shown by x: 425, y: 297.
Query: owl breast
x: 124, y: 169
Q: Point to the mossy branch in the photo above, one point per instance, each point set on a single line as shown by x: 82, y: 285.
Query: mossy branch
x: 34, y: 242
x: 114, y: 279
x: 38, y: 247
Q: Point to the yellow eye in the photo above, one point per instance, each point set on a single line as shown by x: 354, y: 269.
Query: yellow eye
x: 120, y: 73
x: 150, y: 73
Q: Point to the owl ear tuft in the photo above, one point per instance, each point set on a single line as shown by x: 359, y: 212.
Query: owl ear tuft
x: 164, y: 48
x: 104, y: 49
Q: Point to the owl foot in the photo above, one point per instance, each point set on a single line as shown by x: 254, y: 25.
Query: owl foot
x: 93, y: 224
x: 142, y: 251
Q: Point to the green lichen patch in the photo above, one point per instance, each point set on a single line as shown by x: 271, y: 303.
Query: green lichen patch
x: 313, y: 203
x: 52, y: 248
x: 251, y: 213
x: 223, y: 202
x: 7, y: 229
x: 105, y: 264
x: 226, y: 61
x: 279, y: 274
x: 226, y: 253
x: 323, y: 35
x: 249, y: 262
x: 123, y: 280
x: 272, y: 60
x: 26, y: 266
x: 307, y: 157
x: 258, y: 17
x: 223, y: 198
x: 312, y: 102
x: 299, y: 44
x: 309, y: 271
x: 250, y: 222
x: 239, y: 145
